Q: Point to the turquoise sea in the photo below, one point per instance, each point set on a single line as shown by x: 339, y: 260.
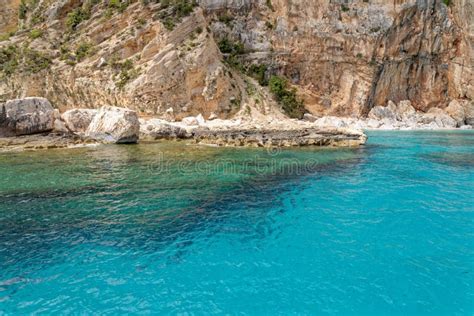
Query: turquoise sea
x: 173, y: 228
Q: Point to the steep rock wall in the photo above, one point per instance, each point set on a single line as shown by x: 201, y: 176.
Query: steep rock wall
x: 343, y: 56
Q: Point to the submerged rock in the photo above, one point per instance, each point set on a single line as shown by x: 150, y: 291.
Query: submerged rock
x: 114, y: 125
x: 78, y: 120
x: 28, y: 116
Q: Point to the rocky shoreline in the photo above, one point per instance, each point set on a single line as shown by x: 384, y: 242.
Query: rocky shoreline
x: 32, y: 123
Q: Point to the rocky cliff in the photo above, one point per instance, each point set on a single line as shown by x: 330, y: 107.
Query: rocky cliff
x: 183, y: 57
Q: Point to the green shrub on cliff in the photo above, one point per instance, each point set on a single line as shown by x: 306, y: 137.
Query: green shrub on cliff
x: 258, y: 72
x: 227, y: 46
x: 35, y: 33
x: 290, y: 103
x: 13, y: 59
x: 270, y: 5
x: 22, y: 10
x: 173, y: 11
x: 75, y: 18
x: 125, y: 71
x: 231, y: 50
x: 35, y: 61
x: 9, y: 60
x: 118, y: 5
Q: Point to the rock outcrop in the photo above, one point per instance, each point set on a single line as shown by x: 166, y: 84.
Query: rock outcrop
x: 154, y: 129
x: 281, y: 138
x: 78, y: 120
x: 27, y: 116
x: 114, y: 125
x: 457, y: 112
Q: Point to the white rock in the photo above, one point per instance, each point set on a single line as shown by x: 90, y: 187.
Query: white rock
x: 200, y: 119
x: 60, y: 126
x: 331, y: 121
x: 30, y: 115
x: 371, y: 123
x: 391, y: 106
x: 190, y: 121
x: 439, y: 117
x: 464, y: 127
x: 160, y: 129
x: 213, y: 116
x: 405, y: 111
x: 114, y: 125
x: 381, y: 112
x: 457, y: 112
x: 78, y: 120
x: 102, y: 62
x: 169, y: 115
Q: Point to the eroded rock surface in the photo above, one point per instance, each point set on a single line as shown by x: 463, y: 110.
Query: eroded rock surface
x: 27, y: 116
x: 78, y: 120
x: 114, y: 125
x: 281, y: 138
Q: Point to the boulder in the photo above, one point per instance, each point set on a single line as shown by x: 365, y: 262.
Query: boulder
x: 309, y: 117
x: 114, y: 125
x: 405, y: 111
x: 469, y: 111
x: 159, y: 129
x: 29, y: 116
x: 190, y: 121
x: 373, y: 124
x: 169, y: 115
x: 60, y: 127
x: 331, y: 121
x: 438, y: 117
x: 194, y: 121
x: 213, y: 116
x: 200, y: 119
x: 456, y: 111
x: 78, y: 120
x: 384, y: 112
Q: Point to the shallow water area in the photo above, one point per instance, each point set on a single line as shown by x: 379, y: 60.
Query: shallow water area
x: 385, y: 229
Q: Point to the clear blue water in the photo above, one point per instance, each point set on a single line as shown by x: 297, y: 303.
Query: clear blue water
x: 169, y: 228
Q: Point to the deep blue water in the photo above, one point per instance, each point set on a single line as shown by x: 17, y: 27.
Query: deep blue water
x: 169, y: 228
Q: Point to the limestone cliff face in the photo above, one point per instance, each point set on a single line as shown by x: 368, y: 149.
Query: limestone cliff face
x: 124, y: 57
x: 423, y: 58
x: 344, y: 57
x: 348, y: 56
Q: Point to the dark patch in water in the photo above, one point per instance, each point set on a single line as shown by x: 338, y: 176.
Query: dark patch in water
x: 218, y: 210
x: 459, y: 160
